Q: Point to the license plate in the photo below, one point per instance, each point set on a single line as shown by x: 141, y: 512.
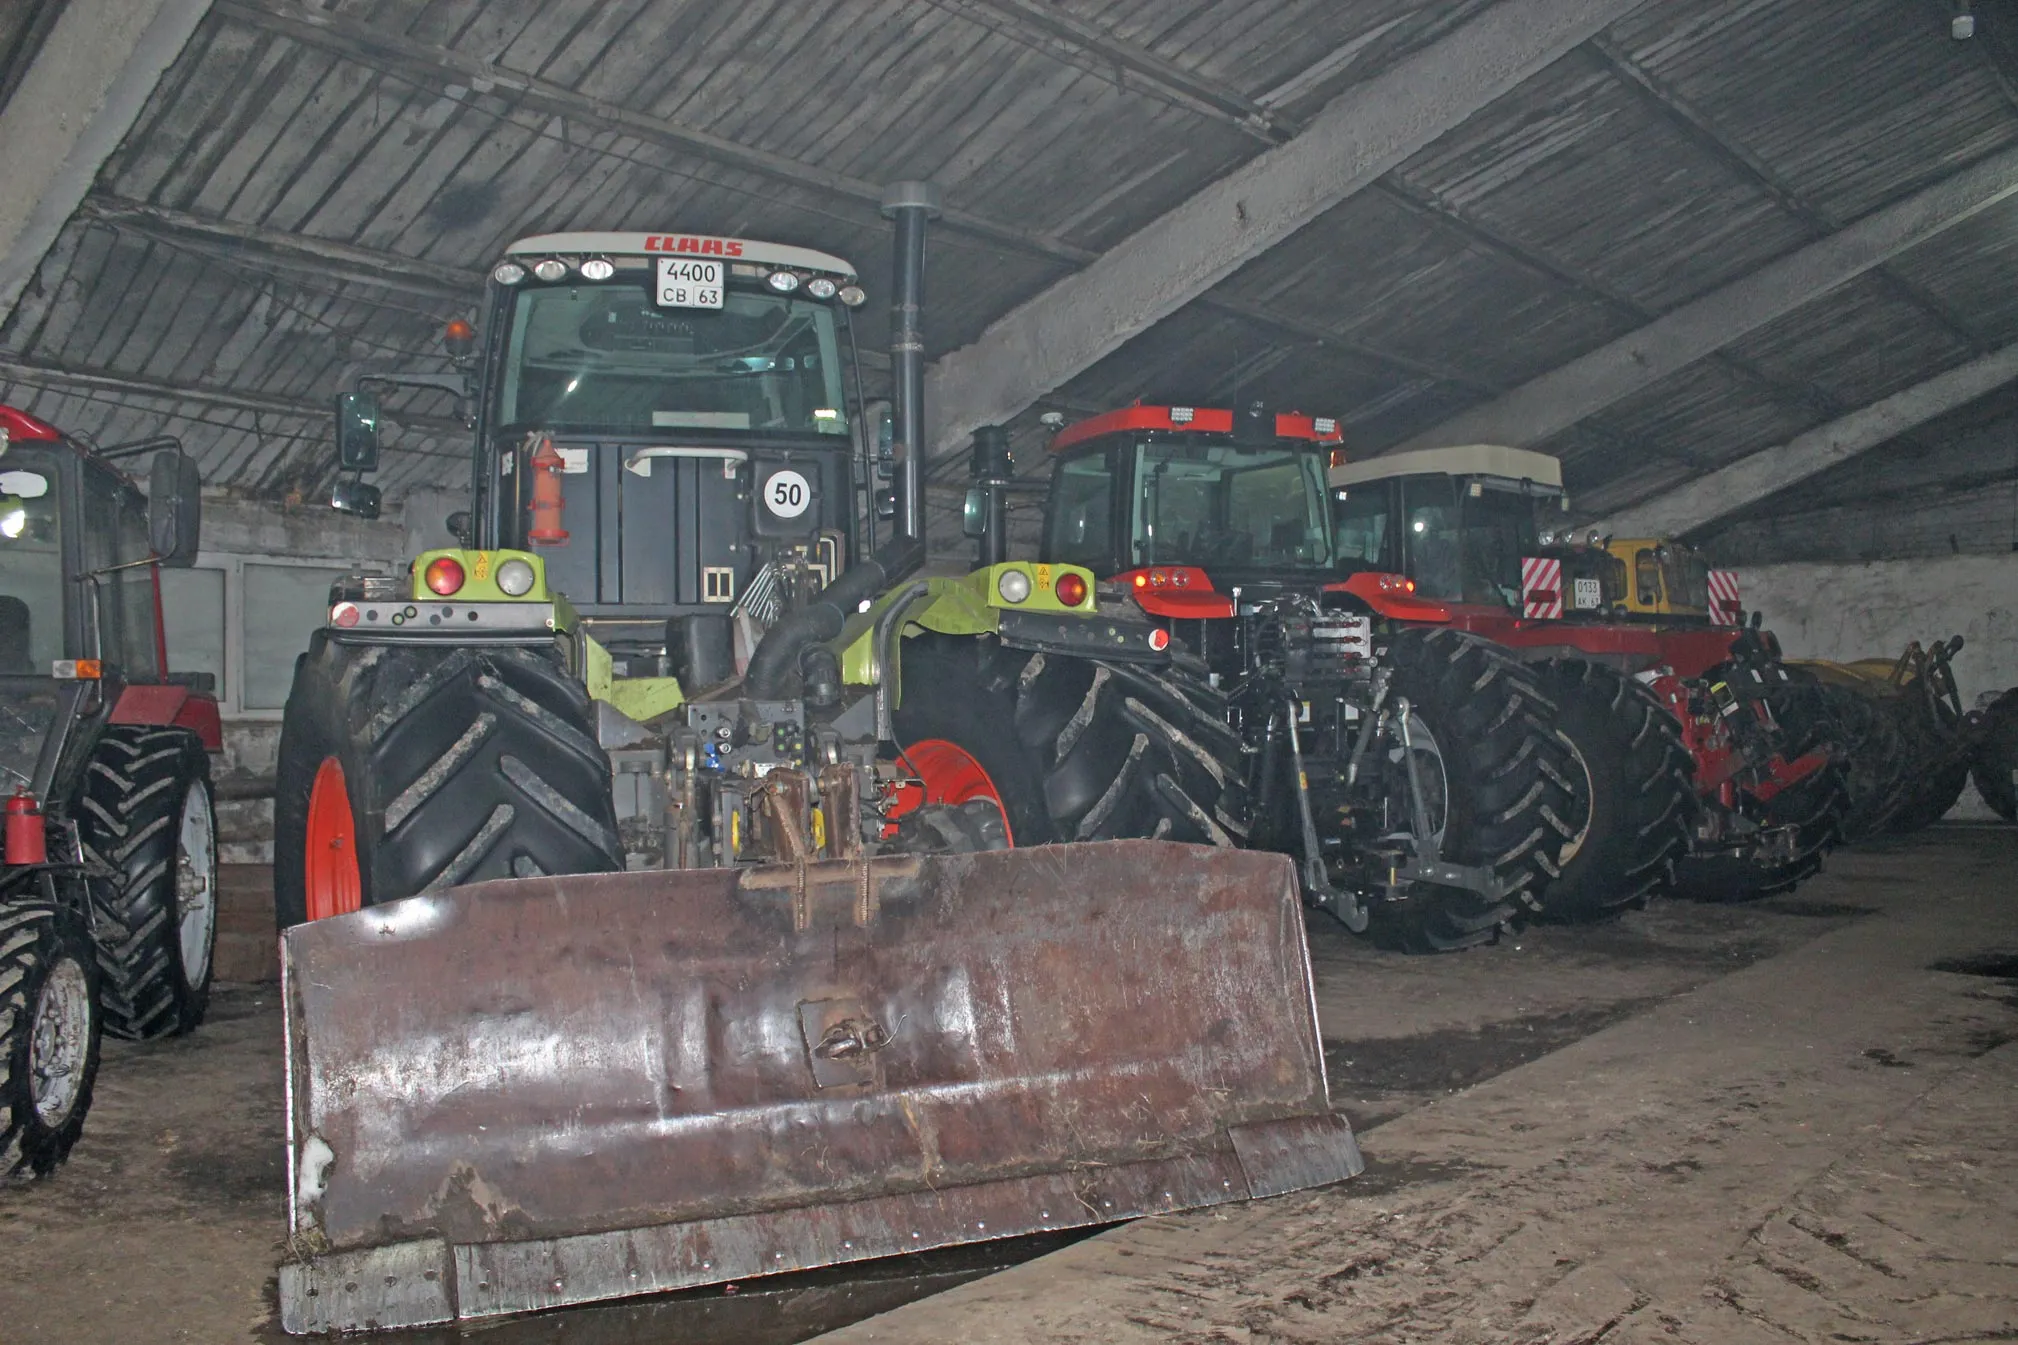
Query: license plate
x: 1589, y: 595
x: 685, y: 283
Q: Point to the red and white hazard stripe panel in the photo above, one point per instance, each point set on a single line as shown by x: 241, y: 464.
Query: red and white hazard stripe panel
x: 1541, y: 588
x: 1724, y: 608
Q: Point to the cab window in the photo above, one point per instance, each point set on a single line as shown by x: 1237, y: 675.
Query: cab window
x: 118, y: 537
x: 1080, y: 530
x: 1359, y: 526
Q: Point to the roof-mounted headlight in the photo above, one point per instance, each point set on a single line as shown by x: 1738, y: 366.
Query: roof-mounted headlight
x: 854, y: 296
x: 508, y: 273
x: 784, y: 282
x: 821, y: 288
x: 550, y: 269
x: 598, y: 268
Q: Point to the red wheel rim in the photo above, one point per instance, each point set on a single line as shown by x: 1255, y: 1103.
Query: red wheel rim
x: 331, y: 858
x: 950, y: 775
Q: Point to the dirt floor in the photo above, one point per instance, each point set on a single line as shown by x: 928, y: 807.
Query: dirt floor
x: 1773, y: 1122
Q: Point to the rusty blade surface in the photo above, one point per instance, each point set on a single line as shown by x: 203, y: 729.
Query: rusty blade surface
x: 554, y: 1072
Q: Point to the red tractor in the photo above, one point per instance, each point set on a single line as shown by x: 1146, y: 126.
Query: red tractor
x: 1411, y: 766
x: 108, y: 878
x: 1698, y: 775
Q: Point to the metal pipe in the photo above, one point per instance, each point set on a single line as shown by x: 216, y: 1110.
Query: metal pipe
x: 910, y: 205
x: 992, y: 470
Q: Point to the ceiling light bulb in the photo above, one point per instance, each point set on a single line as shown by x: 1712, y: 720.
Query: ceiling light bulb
x: 1962, y: 27
x: 13, y: 521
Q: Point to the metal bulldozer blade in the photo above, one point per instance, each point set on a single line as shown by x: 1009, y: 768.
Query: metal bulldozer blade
x: 526, y: 1094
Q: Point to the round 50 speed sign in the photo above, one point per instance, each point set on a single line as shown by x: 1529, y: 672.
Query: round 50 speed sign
x: 787, y: 493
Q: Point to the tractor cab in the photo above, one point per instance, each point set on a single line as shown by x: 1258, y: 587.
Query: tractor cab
x: 662, y: 428
x: 1177, y: 496
x: 80, y: 618
x: 1476, y: 526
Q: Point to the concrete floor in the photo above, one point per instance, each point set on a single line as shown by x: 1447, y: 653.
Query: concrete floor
x: 1708, y: 1124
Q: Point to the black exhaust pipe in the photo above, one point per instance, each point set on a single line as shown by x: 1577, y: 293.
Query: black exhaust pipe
x: 910, y: 205
x: 775, y: 665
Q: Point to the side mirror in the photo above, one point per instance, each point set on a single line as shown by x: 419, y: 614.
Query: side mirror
x: 356, y: 498
x: 174, y: 509
x: 974, y: 513
x: 357, y: 431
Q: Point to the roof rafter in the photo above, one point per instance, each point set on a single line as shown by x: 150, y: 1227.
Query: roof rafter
x: 1180, y: 256
x: 1554, y: 401
x: 1755, y: 476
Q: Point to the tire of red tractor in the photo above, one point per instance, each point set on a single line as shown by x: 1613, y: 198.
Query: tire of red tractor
x: 1510, y: 781
x: 1995, y: 761
x: 146, y: 817
x: 1079, y: 749
x: 49, y: 1032
x: 1814, y: 806
x: 460, y: 765
x: 1641, y: 792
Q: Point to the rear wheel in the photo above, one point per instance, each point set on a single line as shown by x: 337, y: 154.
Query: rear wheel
x: 1507, y: 787
x: 408, y: 769
x: 1075, y: 749
x: 145, y: 816
x: 1641, y: 800
x: 49, y: 1033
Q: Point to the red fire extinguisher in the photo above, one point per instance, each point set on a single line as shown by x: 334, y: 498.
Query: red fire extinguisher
x: 546, y: 467
x: 27, y: 841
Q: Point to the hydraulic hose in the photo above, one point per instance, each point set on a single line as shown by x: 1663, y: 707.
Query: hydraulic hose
x: 775, y: 663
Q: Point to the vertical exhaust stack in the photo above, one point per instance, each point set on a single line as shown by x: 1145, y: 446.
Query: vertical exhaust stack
x: 910, y: 205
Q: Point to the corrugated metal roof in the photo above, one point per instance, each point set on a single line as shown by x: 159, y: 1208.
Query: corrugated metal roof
x: 314, y: 188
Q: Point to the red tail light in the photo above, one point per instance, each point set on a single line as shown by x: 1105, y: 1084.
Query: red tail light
x: 1071, y: 589
x: 445, y: 576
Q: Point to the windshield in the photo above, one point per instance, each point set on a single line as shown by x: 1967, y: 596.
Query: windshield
x: 1219, y: 504
x: 1464, y: 547
x: 31, y: 568
x: 604, y: 357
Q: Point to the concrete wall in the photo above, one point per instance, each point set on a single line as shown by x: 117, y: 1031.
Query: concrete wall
x: 1871, y: 610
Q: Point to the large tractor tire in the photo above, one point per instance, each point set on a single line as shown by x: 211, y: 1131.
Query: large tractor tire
x: 1995, y: 761
x: 1074, y: 749
x: 1814, y: 807
x: 1638, y: 777
x: 407, y: 768
x: 1508, y: 790
x: 49, y: 1032
x: 146, y: 818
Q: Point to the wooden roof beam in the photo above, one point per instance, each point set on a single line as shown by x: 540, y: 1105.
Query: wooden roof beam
x: 1177, y: 258
x: 1752, y: 478
x: 91, y: 76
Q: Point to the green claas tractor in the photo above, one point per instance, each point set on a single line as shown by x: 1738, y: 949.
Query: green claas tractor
x: 680, y: 887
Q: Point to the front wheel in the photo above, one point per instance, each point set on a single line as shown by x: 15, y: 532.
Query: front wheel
x: 406, y: 769
x: 1072, y: 748
x: 49, y: 1033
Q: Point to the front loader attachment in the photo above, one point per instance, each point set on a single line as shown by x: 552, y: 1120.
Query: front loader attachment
x: 526, y: 1094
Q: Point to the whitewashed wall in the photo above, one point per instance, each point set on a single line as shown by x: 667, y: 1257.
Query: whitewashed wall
x: 1871, y: 610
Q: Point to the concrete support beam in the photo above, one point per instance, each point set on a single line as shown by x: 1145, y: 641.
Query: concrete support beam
x: 1176, y: 258
x: 1585, y: 386
x: 1758, y: 475
x: 94, y: 73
